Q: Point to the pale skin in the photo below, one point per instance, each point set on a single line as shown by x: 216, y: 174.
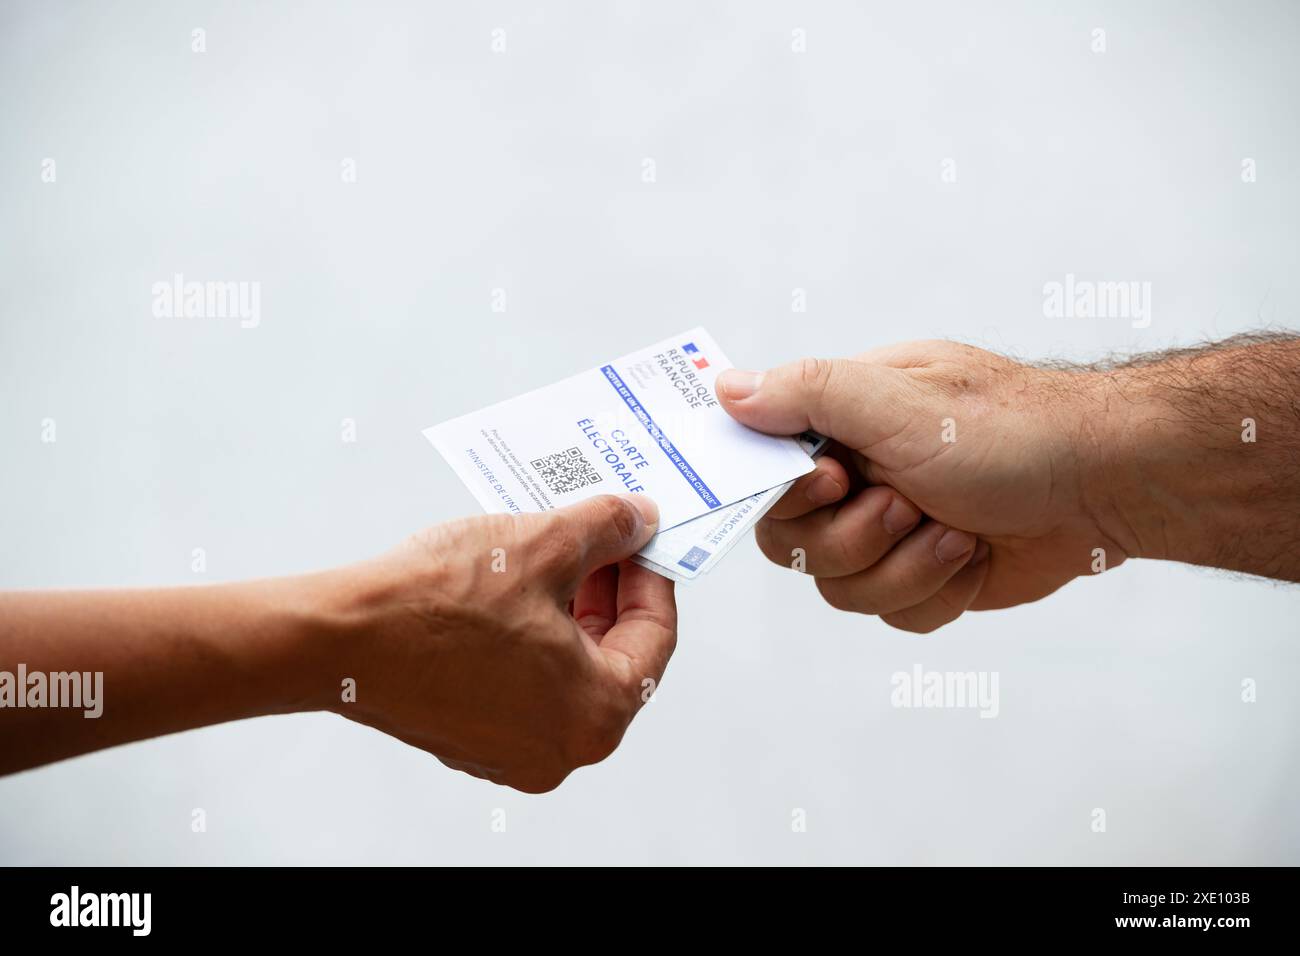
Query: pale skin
x: 959, y: 480
x: 963, y: 480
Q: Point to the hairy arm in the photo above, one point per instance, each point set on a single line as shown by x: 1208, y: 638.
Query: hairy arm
x: 1025, y: 477
x: 1196, y: 454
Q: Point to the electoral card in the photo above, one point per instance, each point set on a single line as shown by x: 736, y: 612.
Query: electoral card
x: 686, y: 551
x: 647, y: 423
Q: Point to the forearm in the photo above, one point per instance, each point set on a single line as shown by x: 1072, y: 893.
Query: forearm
x: 1198, y: 459
x: 170, y: 660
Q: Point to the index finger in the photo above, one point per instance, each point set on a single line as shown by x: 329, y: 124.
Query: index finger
x: 824, y: 485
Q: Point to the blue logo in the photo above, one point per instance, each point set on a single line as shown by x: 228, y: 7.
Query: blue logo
x: 694, y: 558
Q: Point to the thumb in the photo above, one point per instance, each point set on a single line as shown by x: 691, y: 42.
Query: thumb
x: 856, y: 403
x: 604, y: 530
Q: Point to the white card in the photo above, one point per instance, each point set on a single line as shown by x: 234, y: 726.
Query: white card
x: 688, y: 550
x: 646, y: 423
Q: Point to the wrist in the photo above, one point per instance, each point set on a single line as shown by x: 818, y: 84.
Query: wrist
x: 1098, y: 458
x: 309, y: 657
x: 1167, y: 478
x: 360, y: 620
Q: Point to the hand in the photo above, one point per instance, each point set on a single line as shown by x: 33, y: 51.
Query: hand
x: 513, y: 648
x: 1002, y: 457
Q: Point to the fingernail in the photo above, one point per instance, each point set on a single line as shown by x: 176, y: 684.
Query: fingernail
x: 824, y: 490
x: 953, y: 545
x: 981, y: 553
x: 736, y: 384
x: 649, y: 510
x: 899, y: 516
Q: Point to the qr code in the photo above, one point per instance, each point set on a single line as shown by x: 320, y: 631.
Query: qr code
x: 566, y: 471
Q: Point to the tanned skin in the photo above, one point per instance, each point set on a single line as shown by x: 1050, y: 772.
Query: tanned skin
x: 959, y: 480
x: 512, y: 648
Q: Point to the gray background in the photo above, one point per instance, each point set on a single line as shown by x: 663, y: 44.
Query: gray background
x: 522, y: 170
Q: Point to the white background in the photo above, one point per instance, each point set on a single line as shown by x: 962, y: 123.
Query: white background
x: 522, y: 171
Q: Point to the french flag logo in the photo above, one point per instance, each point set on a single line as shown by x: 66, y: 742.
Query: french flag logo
x: 695, y: 356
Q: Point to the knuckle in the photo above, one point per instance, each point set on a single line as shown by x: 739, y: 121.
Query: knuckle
x: 606, y: 734
x: 622, y: 515
x: 792, y: 544
x: 947, y: 348
x: 921, y: 578
x: 433, y: 542
x: 434, y: 549
x: 832, y: 593
x: 765, y: 536
x: 535, y: 782
x: 554, y: 544
x: 902, y: 621
x: 595, y: 738
x: 840, y: 595
x: 815, y: 374
x: 846, y: 554
x: 857, y: 534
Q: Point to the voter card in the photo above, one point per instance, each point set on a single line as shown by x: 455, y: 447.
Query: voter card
x: 647, y: 423
x: 688, y: 550
x: 814, y: 444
